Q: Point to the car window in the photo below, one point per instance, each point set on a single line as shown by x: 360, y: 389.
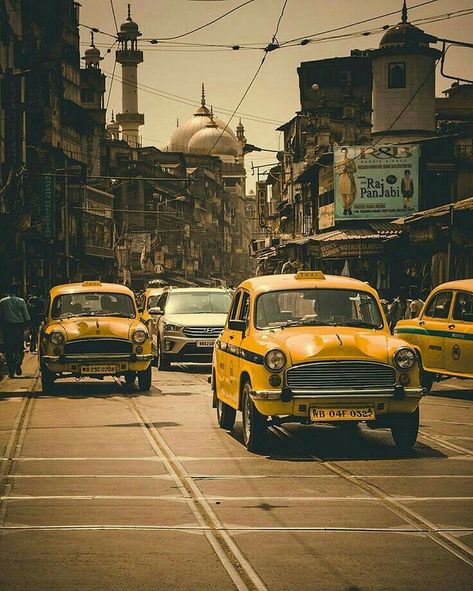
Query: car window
x: 439, y: 305
x: 244, y: 307
x: 330, y: 307
x: 463, y: 308
x: 161, y: 303
x: 92, y: 304
x: 198, y: 302
x: 153, y: 301
x: 234, y: 307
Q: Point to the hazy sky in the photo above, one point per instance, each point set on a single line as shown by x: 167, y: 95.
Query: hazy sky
x: 173, y: 74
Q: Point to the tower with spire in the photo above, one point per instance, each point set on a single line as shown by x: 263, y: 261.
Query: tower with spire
x: 129, y: 56
x: 403, y: 97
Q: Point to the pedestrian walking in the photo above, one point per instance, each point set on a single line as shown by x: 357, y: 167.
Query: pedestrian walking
x: 35, y: 305
x: 397, y: 309
x: 13, y: 319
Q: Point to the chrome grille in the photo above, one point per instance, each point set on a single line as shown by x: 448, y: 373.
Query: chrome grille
x: 332, y: 375
x: 98, y: 346
x: 202, y: 332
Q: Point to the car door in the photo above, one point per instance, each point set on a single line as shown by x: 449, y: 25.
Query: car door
x: 223, y: 350
x: 236, y: 342
x: 434, y: 321
x: 459, y: 335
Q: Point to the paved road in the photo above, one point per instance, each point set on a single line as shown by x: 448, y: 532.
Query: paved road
x: 105, y: 488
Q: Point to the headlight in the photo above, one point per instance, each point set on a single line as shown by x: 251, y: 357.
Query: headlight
x: 171, y: 327
x: 274, y: 360
x: 140, y: 336
x: 57, y: 338
x: 404, y: 358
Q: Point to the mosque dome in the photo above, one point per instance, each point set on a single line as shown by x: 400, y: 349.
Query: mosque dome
x: 182, y: 136
x: 113, y: 125
x: 211, y: 140
x: 404, y: 34
x: 92, y: 53
x: 129, y: 28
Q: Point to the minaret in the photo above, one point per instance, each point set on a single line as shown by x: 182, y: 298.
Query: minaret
x: 403, y: 96
x: 129, y: 57
x: 240, y: 133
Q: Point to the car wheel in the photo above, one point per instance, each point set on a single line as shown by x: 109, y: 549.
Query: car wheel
x: 144, y: 379
x: 47, y: 379
x: 404, y: 429
x: 426, y: 379
x: 161, y: 361
x: 226, y: 415
x: 255, y: 424
x: 130, y: 378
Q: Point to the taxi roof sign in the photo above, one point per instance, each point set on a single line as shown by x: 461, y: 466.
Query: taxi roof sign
x: 90, y: 283
x: 309, y: 275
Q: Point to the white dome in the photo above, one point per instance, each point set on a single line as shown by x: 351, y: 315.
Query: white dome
x: 211, y: 140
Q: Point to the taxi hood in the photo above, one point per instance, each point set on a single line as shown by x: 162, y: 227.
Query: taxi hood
x: 318, y: 343
x: 88, y: 327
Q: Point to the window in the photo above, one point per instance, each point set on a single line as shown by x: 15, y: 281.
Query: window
x: 245, y: 307
x: 439, y: 305
x: 463, y: 308
x: 234, y: 308
x: 92, y: 304
x: 87, y: 95
x: 397, y: 75
x: 198, y: 302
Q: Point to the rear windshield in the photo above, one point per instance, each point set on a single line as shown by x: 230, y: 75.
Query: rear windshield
x: 92, y: 304
x: 198, y: 302
x: 318, y: 307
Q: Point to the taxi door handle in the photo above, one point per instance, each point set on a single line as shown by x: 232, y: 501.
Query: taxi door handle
x: 230, y: 337
x: 421, y: 322
x: 451, y: 326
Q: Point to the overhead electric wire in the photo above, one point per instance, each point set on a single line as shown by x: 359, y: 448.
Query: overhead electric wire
x: 258, y: 70
x: 113, y: 13
x: 209, y: 23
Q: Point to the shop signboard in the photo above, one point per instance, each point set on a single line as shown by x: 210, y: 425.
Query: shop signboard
x: 376, y: 182
x: 351, y: 248
x: 48, y: 206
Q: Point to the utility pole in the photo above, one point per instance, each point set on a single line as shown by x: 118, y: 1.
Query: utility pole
x: 66, y: 222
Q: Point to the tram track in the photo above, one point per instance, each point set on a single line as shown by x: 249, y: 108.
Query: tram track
x: 423, y: 525
x: 14, y: 445
x: 242, y: 574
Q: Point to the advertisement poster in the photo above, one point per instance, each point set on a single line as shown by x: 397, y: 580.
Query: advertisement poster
x: 380, y: 182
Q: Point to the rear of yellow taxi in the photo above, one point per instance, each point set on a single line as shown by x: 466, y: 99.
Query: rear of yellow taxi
x: 90, y: 341
x: 314, y: 371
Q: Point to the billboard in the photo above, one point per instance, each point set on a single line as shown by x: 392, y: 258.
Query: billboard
x: 375, y: 182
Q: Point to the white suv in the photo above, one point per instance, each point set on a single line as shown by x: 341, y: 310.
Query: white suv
x: 189, y: 320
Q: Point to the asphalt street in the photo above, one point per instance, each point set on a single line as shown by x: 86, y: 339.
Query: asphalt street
x: 103, y: 487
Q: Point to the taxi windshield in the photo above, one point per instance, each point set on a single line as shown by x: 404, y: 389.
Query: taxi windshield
x: 318, y: 307
x: 198, y: 302
x: 92, y: 304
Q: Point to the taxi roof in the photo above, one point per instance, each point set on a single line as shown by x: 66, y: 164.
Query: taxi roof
x: 265, y: 283
x: 154, y: 290
x: 457, y: 284
x: 90, y: 286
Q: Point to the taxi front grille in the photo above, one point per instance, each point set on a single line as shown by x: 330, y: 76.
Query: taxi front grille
x: 97, y: 346
x: 333, y: 375
x: 202, y: 332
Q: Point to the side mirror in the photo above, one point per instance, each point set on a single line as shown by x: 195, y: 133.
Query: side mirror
x: 239, y: 325
x: 140, y: 309
x: 155, y: 311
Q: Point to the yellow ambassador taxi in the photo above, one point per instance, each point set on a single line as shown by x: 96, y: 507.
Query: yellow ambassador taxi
x: 312, y: 348
x: 93, y: 329
x: 443, y: 332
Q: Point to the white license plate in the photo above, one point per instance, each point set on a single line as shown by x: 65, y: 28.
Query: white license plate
x: 98, y: 369
x: 205, y: 343
x: 365, y: 413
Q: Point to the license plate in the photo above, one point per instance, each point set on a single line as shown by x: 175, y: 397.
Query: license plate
x: 98, y: 369
x: 364, y: 413
x: 205, y: 343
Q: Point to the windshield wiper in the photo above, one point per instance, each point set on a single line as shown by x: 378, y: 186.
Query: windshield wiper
x: 118, y: 314
x: 360, y: 323
x: 287, y: 323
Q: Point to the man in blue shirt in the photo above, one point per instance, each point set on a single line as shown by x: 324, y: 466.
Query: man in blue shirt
x: 13, y: 319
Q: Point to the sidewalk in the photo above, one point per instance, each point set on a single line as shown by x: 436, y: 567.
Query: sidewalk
x: 30, y: 370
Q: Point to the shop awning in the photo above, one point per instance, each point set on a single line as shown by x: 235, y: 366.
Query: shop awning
x: 442, y: 210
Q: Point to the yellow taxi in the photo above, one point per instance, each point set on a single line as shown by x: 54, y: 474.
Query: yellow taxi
x: 149, y: 300
x: 93, y: 329
x: 443, y: 332
x: 312, y: 348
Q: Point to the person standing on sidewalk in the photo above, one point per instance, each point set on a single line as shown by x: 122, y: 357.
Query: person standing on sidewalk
x: 35, y: 304
x: 13, y: 319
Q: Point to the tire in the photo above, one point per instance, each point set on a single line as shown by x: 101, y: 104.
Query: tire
x: 226, y: 415
x: 426, y: 379
x: 130, y: 378
x: 255, y: 425
x: 47, y: 379
x: 144, y: 379
x: 162, y: 363
x: 404, y: 429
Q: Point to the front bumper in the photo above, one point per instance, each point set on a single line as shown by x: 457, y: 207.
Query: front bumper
x: 181, y: 348
x: 287, y: 395
x: 72, y: 364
